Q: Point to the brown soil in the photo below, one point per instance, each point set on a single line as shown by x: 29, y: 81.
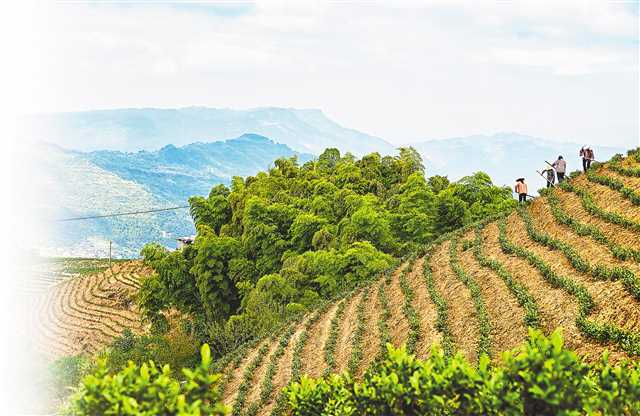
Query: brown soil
x: 253, y: 395
x: 558, y: 309
x: 312, y: 357
x: 425, y: 309
x: 397, y: 322
x: 630, y: 182
x: 283, y: 375
x: 344, y: 344
x: 572, y: 204
x: 588, y: 248
x: 371, y: 337
x: 614, y: 303
x: 232, y: 386
x: 609, y: 199
x: 505, y: 314
x: 463, y: 322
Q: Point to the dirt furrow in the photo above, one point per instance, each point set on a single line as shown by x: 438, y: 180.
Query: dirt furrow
x: 505, y: 314
x: 371, y: 336
x: 313, y: 362
x: 609, y: 199
x: 233, y: 384
x: 283, y: 375
x: 592, y: 250
x: 345, y: 334
x: 613, y: 303
x: 397, y: 323
x: 628, y: 181
x: 253, y: 394
x: 572, y: 204
x: 426, y: 310
x: 463, y: 322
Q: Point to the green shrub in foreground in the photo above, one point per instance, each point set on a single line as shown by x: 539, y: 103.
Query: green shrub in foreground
x: 149, y: 390
x: 540, y: 378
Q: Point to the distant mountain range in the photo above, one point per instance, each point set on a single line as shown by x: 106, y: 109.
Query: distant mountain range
x: 308, y: 131
x: 504, y: 156
x: 102, y: 182
x: 138, y: 159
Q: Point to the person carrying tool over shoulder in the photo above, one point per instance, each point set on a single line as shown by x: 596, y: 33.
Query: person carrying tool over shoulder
x: 561, y: 168
x: 521, y: 190
x: 587, y: 157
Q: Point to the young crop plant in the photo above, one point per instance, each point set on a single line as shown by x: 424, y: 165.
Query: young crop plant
x: 592, y: 208
x: 614, y: 184
x: 522, y: 295
x: 626, y: 340
x: 600, y: 271
x: 409, y: 311
x: 442, y: 320
x: 562, y: 217
x: 484, y: 344
x: 332, y: 339
x: 358, y: 334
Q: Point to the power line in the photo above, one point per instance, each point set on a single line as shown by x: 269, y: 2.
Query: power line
x: 120, y: 214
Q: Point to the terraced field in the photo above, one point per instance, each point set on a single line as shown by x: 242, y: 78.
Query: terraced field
x: 569, y: 260
x: 83, y: 314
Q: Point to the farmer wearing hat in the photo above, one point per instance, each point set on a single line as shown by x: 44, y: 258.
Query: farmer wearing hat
x: 521, y: 190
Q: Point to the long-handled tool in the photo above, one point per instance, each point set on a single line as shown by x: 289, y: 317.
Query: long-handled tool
x: 545, y: 178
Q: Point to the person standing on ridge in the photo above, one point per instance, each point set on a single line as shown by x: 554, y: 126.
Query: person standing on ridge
x: 551, y: 177
x: 561, y: 168
x: 587, y: 157
x: 521, y: 190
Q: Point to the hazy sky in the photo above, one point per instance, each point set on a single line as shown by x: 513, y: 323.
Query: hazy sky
x: 404, y: 71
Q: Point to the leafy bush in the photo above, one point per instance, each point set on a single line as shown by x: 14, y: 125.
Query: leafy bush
x: 541, y: 377
x: 148, y: 390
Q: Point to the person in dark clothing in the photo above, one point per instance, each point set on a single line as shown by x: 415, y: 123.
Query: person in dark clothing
x: 551, y: 177
x: 521, y: 190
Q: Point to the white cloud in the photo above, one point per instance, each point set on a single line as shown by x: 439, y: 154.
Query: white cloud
x: 401, y: 70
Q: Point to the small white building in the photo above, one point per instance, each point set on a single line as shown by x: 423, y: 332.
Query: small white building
x: 185, y: 241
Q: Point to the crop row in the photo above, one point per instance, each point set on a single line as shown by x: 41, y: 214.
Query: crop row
x: 628, y: 341
x: 522, y: 295
x: 247, y: 377
x: 408, y: 309
x: 358, y: 334
x: 562, y: 217
x: 442, y: 309
x: 592, y: 208
x: 616, y: 185
x: 332, y: 339
x: 625, y: 171
x: 600, y: 271
x: 266, y: 387
x: 484, y: 344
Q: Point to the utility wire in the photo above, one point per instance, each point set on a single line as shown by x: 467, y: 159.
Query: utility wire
x: 123, y: 213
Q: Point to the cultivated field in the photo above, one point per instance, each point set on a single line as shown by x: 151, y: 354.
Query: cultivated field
x: 569, y: 260
x: 84, y: 313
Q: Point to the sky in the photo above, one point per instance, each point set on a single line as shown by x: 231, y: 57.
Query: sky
x: 404, y: 71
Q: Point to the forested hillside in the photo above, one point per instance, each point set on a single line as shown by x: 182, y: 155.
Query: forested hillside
x: 273, y: 245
